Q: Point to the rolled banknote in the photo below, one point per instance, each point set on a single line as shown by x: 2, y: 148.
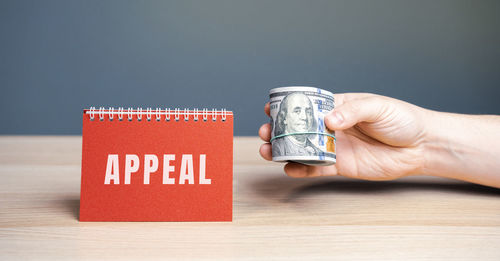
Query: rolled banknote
x: 298, y: 128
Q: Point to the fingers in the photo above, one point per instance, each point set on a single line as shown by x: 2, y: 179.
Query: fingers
x: 265, y: 135
x: 297, y: 170
x: 368, y: 109
x: 265, y: 151
x: 265, y: 132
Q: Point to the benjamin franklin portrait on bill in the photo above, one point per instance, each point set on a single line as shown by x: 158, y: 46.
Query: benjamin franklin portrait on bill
x: 295, y: 115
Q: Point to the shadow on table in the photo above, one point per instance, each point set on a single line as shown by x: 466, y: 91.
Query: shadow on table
x: 290, y: 189
x: 72, y: 205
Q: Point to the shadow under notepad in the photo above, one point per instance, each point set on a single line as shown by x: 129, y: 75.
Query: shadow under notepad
x: 73, y: 206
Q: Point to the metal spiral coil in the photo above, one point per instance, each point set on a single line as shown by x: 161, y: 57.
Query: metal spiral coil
x: 157, y: 114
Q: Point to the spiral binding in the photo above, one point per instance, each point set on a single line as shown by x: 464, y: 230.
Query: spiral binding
x: 158, y: 114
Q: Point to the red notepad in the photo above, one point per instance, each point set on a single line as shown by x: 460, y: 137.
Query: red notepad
x: 156, y: 165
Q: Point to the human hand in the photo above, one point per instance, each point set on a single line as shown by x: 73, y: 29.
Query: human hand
x: 378, y: 138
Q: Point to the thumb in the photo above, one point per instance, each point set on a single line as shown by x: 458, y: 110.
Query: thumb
x: 354, y: 111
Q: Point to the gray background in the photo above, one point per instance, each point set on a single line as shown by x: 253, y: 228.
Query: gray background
x: 58, y: 57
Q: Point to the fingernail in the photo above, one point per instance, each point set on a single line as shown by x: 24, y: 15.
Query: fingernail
x: 336, y: 118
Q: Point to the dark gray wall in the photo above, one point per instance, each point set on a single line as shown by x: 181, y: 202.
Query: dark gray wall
x: 57, y: 57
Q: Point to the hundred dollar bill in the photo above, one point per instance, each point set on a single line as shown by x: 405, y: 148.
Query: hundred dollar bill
x: 298, y: 128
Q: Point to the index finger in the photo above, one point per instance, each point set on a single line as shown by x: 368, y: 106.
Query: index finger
x: 267, y: 109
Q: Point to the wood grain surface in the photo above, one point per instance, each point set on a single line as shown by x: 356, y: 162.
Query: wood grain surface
x: 275, y: 217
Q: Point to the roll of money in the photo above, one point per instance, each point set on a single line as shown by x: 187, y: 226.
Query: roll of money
x: 298, y: 131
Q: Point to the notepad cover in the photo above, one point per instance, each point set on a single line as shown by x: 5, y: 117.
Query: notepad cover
x: 156, y: 201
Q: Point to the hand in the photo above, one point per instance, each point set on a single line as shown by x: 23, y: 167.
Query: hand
x: 378, y: 138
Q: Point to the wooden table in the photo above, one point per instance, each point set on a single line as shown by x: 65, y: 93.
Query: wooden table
x: 275, y: 217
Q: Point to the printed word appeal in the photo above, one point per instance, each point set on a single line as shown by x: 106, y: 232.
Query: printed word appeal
x: 151, y: 164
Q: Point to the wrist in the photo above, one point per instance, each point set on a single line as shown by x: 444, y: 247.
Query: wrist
x: 439, y: 150
x: 448, y: 147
